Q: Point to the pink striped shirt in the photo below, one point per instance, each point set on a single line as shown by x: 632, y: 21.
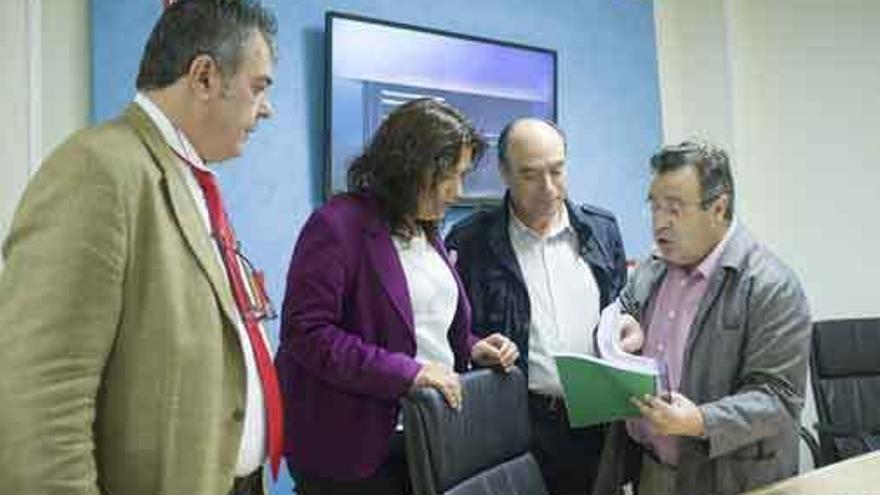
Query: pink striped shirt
x: 669, y: 319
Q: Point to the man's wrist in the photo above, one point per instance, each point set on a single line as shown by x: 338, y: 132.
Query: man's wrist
x: 700, y: 425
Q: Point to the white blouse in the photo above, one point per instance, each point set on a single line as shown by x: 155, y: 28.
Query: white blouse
x: 433, y: 295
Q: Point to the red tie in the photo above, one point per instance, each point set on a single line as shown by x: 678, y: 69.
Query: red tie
x: 268, y: 378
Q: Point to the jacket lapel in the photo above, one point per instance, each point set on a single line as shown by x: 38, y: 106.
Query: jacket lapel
x: 731, y: 259
x: 500, y: 244
x: 183, y: 206
x: 646, y: 287
x: 592, y: 252
x: 389, y: 272
x: 716, y: 283
x: 463, y: 308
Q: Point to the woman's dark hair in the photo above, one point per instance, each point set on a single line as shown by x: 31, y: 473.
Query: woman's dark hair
x: 417, y: 146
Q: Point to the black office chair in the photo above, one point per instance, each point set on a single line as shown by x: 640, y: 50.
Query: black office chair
x: 484, y: 449
x: 845, y: 374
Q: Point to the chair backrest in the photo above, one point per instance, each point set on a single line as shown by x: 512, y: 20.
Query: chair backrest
x: 484, y: 449
x: 845, y: 374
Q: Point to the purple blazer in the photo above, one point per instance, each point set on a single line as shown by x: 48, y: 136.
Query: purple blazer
x: 348, y: 341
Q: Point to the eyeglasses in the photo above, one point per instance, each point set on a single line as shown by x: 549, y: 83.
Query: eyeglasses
x: 260, y: 306
x: 675, y: 208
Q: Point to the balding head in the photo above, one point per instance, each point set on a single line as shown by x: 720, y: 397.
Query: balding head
x: 532, y: 160
x: 519, y: 132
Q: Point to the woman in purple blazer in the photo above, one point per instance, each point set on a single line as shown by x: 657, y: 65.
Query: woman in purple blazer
x: 374, y: 308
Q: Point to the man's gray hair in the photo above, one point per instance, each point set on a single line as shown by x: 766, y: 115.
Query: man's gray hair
x: 189, y: 28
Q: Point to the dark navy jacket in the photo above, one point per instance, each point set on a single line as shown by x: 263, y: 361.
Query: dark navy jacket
x: 493, y: 279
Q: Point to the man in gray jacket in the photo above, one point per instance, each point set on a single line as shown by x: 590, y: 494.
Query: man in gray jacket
x: 731, y: 324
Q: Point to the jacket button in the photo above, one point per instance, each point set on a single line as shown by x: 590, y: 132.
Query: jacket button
x: 238, y: 414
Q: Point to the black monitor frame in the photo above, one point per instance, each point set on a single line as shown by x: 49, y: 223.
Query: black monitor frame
x: 330, y: 16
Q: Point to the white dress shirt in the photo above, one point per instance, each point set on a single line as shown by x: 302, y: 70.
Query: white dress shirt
x: 563, y: 296
x: 253, y: 442
x: 433, y: 295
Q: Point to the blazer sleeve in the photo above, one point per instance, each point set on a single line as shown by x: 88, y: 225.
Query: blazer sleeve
x: 60, y: 300
x: 312, y: 333
x: 771, y: 383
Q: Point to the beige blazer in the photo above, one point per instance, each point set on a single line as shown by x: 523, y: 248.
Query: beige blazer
x: 120, y: 366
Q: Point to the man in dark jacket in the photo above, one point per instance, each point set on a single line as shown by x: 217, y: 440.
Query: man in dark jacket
x: 539, y: 269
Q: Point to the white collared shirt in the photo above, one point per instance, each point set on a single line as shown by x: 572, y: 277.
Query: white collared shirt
x: 253, y: 442
x: 563, y: 296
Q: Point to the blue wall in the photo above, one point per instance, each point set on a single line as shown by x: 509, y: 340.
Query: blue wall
x: 608, y: 103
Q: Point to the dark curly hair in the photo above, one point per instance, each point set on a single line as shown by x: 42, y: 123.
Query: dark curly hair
x: 417, y: 146
x: 712, y: 164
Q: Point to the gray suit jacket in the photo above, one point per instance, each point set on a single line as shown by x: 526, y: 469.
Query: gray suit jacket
x: 745, y: 365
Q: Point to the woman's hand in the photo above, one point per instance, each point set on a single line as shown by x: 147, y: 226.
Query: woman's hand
x: 495, y: 350
x: 443, y: 379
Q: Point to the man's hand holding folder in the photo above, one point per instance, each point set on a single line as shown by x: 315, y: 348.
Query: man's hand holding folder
x: 669, y: 412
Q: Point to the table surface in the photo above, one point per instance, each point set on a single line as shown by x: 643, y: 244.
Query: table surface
x: 857, y: 476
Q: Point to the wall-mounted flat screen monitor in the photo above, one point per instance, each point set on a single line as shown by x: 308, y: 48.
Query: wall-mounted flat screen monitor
x: 373, y: 66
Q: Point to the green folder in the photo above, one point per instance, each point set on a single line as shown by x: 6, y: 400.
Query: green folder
x: 597, y: 391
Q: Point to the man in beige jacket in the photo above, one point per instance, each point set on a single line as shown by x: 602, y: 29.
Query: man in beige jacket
x: 123, y: 366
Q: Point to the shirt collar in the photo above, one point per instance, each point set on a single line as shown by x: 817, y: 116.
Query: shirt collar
x: 173, y: 136
x: 710, y: 262
x: 561, y: 225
